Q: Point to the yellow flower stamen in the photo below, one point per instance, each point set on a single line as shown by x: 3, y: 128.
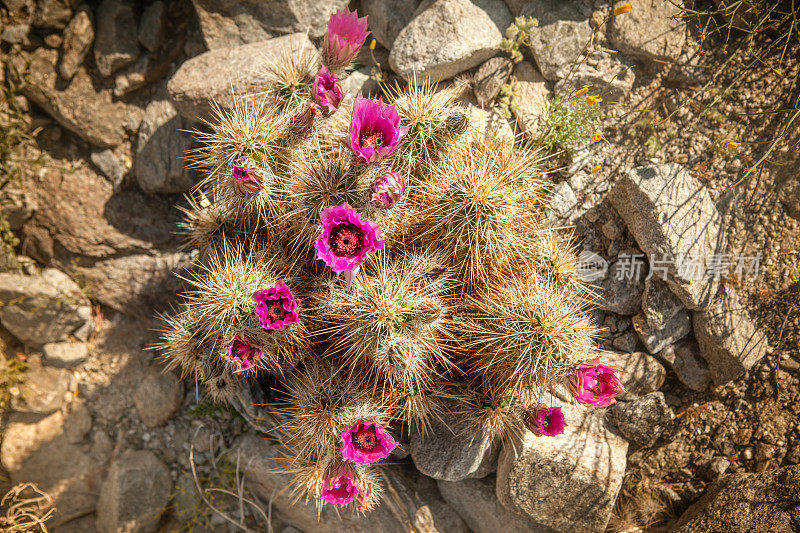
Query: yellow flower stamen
x: 372, y: 44
x: 596, y: 169
x: 732, y: 145
x: 597, y: 137
x: 593, y: 99
x: 581, y: 92
x: 624, y: 8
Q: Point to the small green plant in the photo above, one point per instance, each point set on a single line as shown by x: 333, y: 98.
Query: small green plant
x: 518, y: 36
x: 568, y: 121
x: 12, y: 374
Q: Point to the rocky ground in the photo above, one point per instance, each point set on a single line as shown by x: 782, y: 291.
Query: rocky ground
x: 98, y: 101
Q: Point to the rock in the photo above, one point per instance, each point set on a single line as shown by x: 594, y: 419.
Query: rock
x: 52, y: 14
x: 65, y: 354
x: 718, y: 467
x: 41, y: 309
x: 488, y: 122
x: 116, y: 44
x: 360, y: 81
x: 746, y: 502
x: 490, y: 78
x: 78, y: 107
x: 688, y: 70
x: 656, y: 339
x: 448, y: 37
x: 641, y: 373
x: 621, y: 290
x: 453, y: 452
x: 625, y: 342
x: 652, y: 30
x: 55, y: 453
x: 684, y: 359
x: 78, y: 39
x: 212, y: 76
x: 603, y: 74
x: 109, y: 164
x: 676, y: 223
x: 135, y: 493
x: 659, y: 304
x: 644, y: 419
x: 160, y: 150
x: 15, y: 34
x: 728, y: 339
x: 233, y: 23
x: 561, y: 35
x: 388, y: 17
x: 158, y: 396
x: 17, y: 204
x: 152, y: 26
x: 418, y: 505
x: 532, y: 98
x: 568, y: 482
x: 475, y: 501
x: 564, y: 203
x: 44, y: 389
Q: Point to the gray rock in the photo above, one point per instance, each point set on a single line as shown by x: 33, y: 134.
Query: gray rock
x: 116, y: 44
x: 641, y: 373
x: 133, y: 77
x: 448, y: 37
x: 621, y: 290
x: 488, y: 122
x: 656, y: 339
x: 419, y: 506
x: 56, y: 453
x: 78, y: 39
x: 652, y: 30
x: 490, y: 78
x: 564, y: 203
x: 160, y: 149
x: 78, y: 107
x: 676, y: 223
x: 644, y: 419
x: 43, y: 391
x: 625, y: 342
x: 231, y: 23
x: 684, y: 359
x: 215, y: 75
x: 158, y: 396
x: 360, y: 81
x: 65, y: 354
x: 52, y: 14
x: 17, y: 204
x: 568, y: 482
x: 746, y: 502
x: 659, y: 304
x: 516, y: 6
x: 603, y: 74
x: 109, y: 164
x: 135, y: 493
x: 15, y: 34
x: 41, y: 309
x: 152, y: 25
x: 728, y: 339
x: 475, y: 500
x: 562, y: 33
x: 532, y: 98
x: 388, y: 17
x: 453, y: 452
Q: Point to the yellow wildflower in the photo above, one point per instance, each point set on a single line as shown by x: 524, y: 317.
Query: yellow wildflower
x: 581, y: 92
x: 731, y: 145
x: 596, y: 169
x: 597, y: 137
x: 593, y: 99
x: 372, y: 44
x: 624, y: 8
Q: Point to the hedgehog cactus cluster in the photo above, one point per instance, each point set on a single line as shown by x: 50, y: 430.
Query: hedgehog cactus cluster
x: 377, y: 264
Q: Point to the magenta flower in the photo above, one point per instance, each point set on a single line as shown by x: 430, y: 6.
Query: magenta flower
x: 247, y: 180
x: 276, y: 307
x: 243, y: 353
x: 344, y: 38
x: 340, y: 488
x: 346, y: 239
x: 365, y: 442
x: 595, y: 384
x: 546, y: 421
x: 327, y: 91
x: 389, y: 190
x: 375, y: 130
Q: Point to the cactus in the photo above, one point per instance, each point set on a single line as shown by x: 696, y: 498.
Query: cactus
x: 369, y: 261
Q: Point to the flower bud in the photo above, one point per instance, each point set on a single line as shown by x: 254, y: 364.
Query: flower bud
x: 247, y: 180
x: 389, y: 190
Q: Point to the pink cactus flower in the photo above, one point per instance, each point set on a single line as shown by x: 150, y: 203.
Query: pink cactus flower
x: 595, y: 385
x: 276, y: 307
x: 243, y: 352
x: 340, y: 488
x: 546, y: 421
x: 375, y: 131
x: 247, y: 180
x: 389, y: 190
x: 346, y: 238
x: 303, y: 122
x: 365, y: 442
x: 327, y: 91
x: 344, y: 38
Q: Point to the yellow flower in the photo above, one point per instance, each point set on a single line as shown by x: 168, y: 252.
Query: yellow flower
x: 596, y: 169
x: 597, y: 137
x: 372, y: 44
x: 581, y: 92
x: 593, y: 99
x: 624, y: 8
x: 753, y: 170
x: 794, y: 278
x: 731, y: 145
